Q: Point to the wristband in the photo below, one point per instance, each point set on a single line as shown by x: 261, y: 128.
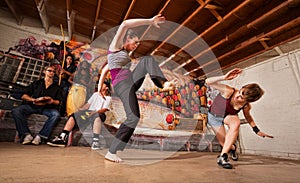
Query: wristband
x: 255, y: 129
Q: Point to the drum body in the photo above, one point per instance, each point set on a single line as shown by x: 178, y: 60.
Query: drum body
x: 76, y: 98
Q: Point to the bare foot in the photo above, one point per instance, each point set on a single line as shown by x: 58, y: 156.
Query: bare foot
x: 113, y: 157
x: 170, y: 85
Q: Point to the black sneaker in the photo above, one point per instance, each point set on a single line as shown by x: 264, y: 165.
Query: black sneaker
x: 57, y: 142
x: 223, y: 161
x: 95, y: 144
x: 234, y: 154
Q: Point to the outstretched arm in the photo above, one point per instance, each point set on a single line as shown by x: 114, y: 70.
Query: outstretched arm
x: 251, y: 122
x: 215, y: 81
x: 117, y: 41
x: 103, y: 75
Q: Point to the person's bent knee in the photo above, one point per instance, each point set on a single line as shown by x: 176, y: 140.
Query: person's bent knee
x: 55, y: 115
x: 16, y: 111
x: 233, y: 121
x: 235, y: 126
x: 132, y: 122
x: 102, y: 117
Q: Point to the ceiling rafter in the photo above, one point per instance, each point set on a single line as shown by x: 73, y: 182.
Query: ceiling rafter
x: 129, y: 9
x: 148, y: 28
x: 228, y: 39
x: 292, y: 24
x: 12, y: 7
x: 70, y: 18
x: 177, y: 29
x: 40, y: 4
x: 96, y: 19
x: 277, y: 49
x: 160, y: 12
x: 218, y: 23
x: 254, y: 25
x: 263, y: 42
x: 212, y: 9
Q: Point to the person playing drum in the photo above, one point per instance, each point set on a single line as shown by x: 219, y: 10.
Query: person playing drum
x: 81, y: 83
x: 42, y: 97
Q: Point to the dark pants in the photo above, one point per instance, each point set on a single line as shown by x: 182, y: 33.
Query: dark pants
x: 82, y: 120
x: 126, y: 90
x: 65, y: 85
x: 21, y: 113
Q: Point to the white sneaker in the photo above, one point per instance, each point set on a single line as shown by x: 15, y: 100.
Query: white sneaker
x: 36, y: 140
x: 113, y: 157
x: 27, y: 140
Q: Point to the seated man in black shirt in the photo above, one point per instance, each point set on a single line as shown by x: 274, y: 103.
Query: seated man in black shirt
x: 43, y: 97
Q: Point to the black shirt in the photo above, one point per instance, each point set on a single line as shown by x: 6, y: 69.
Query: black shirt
x: 38, y: 89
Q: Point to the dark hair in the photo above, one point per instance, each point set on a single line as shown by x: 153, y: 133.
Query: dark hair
x: 73, y: 58
x: 84, y: 62
x: 252, y: 92
x: 48, y: 66
x: 107, y: 83
x: 129, y: 34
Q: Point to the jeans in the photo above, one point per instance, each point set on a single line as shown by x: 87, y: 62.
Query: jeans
x: 21, y: 113
x: 215, y: 121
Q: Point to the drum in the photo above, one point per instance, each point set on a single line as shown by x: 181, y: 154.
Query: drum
x: 76, y: 98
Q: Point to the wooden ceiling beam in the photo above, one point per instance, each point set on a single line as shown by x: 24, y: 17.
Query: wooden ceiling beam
x: 129, y: 9
x: 160, y: 12
x: 228, y: 16
x: 212, y: 9
x: 12, y: 7
x: 256, y: 24
x: 278, y: 30
x: 40, y: 5
x: 96, y: 19
x: 148, y: 28
x: 212, y: 72
x: 178, y: 28
x: 263, y: 43
x: 70, y: 18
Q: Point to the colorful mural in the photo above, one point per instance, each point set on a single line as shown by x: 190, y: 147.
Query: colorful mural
x: 189, y: 98
x: 53, y: 50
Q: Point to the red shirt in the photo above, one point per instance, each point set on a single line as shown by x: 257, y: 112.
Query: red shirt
x: 221, y: 107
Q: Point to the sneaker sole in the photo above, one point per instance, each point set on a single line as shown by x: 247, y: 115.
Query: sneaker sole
x: 55, y: 145
x: 99, y: 148
x: 26, y: 143
x: 221, y: 166
x: 235, y: 159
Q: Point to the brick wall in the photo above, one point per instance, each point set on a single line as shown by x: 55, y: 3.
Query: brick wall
x: 277, y: 112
